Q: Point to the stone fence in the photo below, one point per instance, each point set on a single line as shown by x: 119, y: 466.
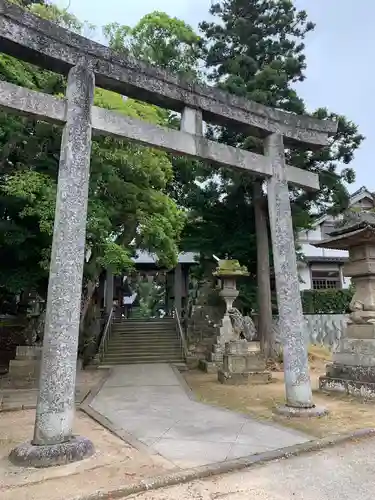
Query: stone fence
x: 321, y: 329
x: 324, y: 329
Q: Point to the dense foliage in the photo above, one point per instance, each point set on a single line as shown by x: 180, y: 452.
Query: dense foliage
x: 326, y: 301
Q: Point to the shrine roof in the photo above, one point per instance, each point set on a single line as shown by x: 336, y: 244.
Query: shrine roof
x: 356, y: 228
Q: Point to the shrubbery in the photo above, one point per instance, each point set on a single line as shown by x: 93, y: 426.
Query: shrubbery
x: 326, y: 301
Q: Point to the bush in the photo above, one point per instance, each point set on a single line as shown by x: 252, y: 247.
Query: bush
x: 326, y: 301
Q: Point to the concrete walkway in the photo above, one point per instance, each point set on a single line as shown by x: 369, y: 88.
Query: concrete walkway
x: 151, y: 403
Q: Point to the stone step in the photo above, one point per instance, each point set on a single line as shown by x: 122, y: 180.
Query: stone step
x: 145, y: 349
x: 139, y: 341
x: 140, y: 361
x: 150, y: 344
x: 144, y: 334
x: 143, y: 340
x: 140, y: 353
x: 153, y: 335
x: 144, y: 358
x: 143, y: 345
x: 143, y: 321
x: 144, y: 354
x: 146, y: 326
x: 140, y: 324
x: 126, y: 337
x: 143, y: 331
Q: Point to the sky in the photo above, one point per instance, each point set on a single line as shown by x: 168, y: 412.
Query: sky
x: 340, y: 54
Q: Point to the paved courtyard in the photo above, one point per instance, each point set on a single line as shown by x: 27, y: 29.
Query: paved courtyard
x: 150, y: 402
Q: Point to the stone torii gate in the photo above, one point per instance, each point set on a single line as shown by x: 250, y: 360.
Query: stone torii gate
x: 87, y: 64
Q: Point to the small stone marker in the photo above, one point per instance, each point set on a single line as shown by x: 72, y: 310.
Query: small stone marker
x: 26, y: 364
x: 243, y: 363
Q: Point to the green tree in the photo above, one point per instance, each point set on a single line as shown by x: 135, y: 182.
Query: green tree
x: 160, y: 40
x: 128, y: 200
x: 170, y: 44
x: 28, y: 3
x: 256, y: 50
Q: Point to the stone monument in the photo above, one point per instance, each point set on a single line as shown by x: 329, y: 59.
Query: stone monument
x: 26, y: 364
x: 353, y: 364
x: 227, y: 271
x: 243, y: 363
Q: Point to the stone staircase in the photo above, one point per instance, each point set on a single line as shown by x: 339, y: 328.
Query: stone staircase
x: 143, y: 341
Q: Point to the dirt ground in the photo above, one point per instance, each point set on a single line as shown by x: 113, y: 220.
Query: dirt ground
x: 21, y: 394
x: 115, y: 463
x: 89, y: 378
x: 345, y: 413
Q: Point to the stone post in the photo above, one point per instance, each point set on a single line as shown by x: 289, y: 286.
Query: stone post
x: 296, y: 369
x: 265, y: 327
x: 53, y: 442
x: 191, y: 121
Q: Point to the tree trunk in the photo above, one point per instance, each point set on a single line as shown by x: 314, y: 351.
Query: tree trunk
x: 90, y: 289
x: 265, y: 328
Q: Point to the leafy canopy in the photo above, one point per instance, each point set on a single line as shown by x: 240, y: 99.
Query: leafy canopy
x: 128, y: 202
x: 161, y: 40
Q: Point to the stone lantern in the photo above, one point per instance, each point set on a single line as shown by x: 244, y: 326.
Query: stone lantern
x: 227, y: 271
x: 353, y: 367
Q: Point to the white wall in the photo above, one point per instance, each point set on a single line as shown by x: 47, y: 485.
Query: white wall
x: 311, y: 235
x: 305, y: 277
x: 306, y: 238
x: 311, y: 251
x: 304, y: 271
x: 345, y: 282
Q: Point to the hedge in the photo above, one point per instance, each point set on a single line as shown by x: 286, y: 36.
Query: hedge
x: 326, y: 301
